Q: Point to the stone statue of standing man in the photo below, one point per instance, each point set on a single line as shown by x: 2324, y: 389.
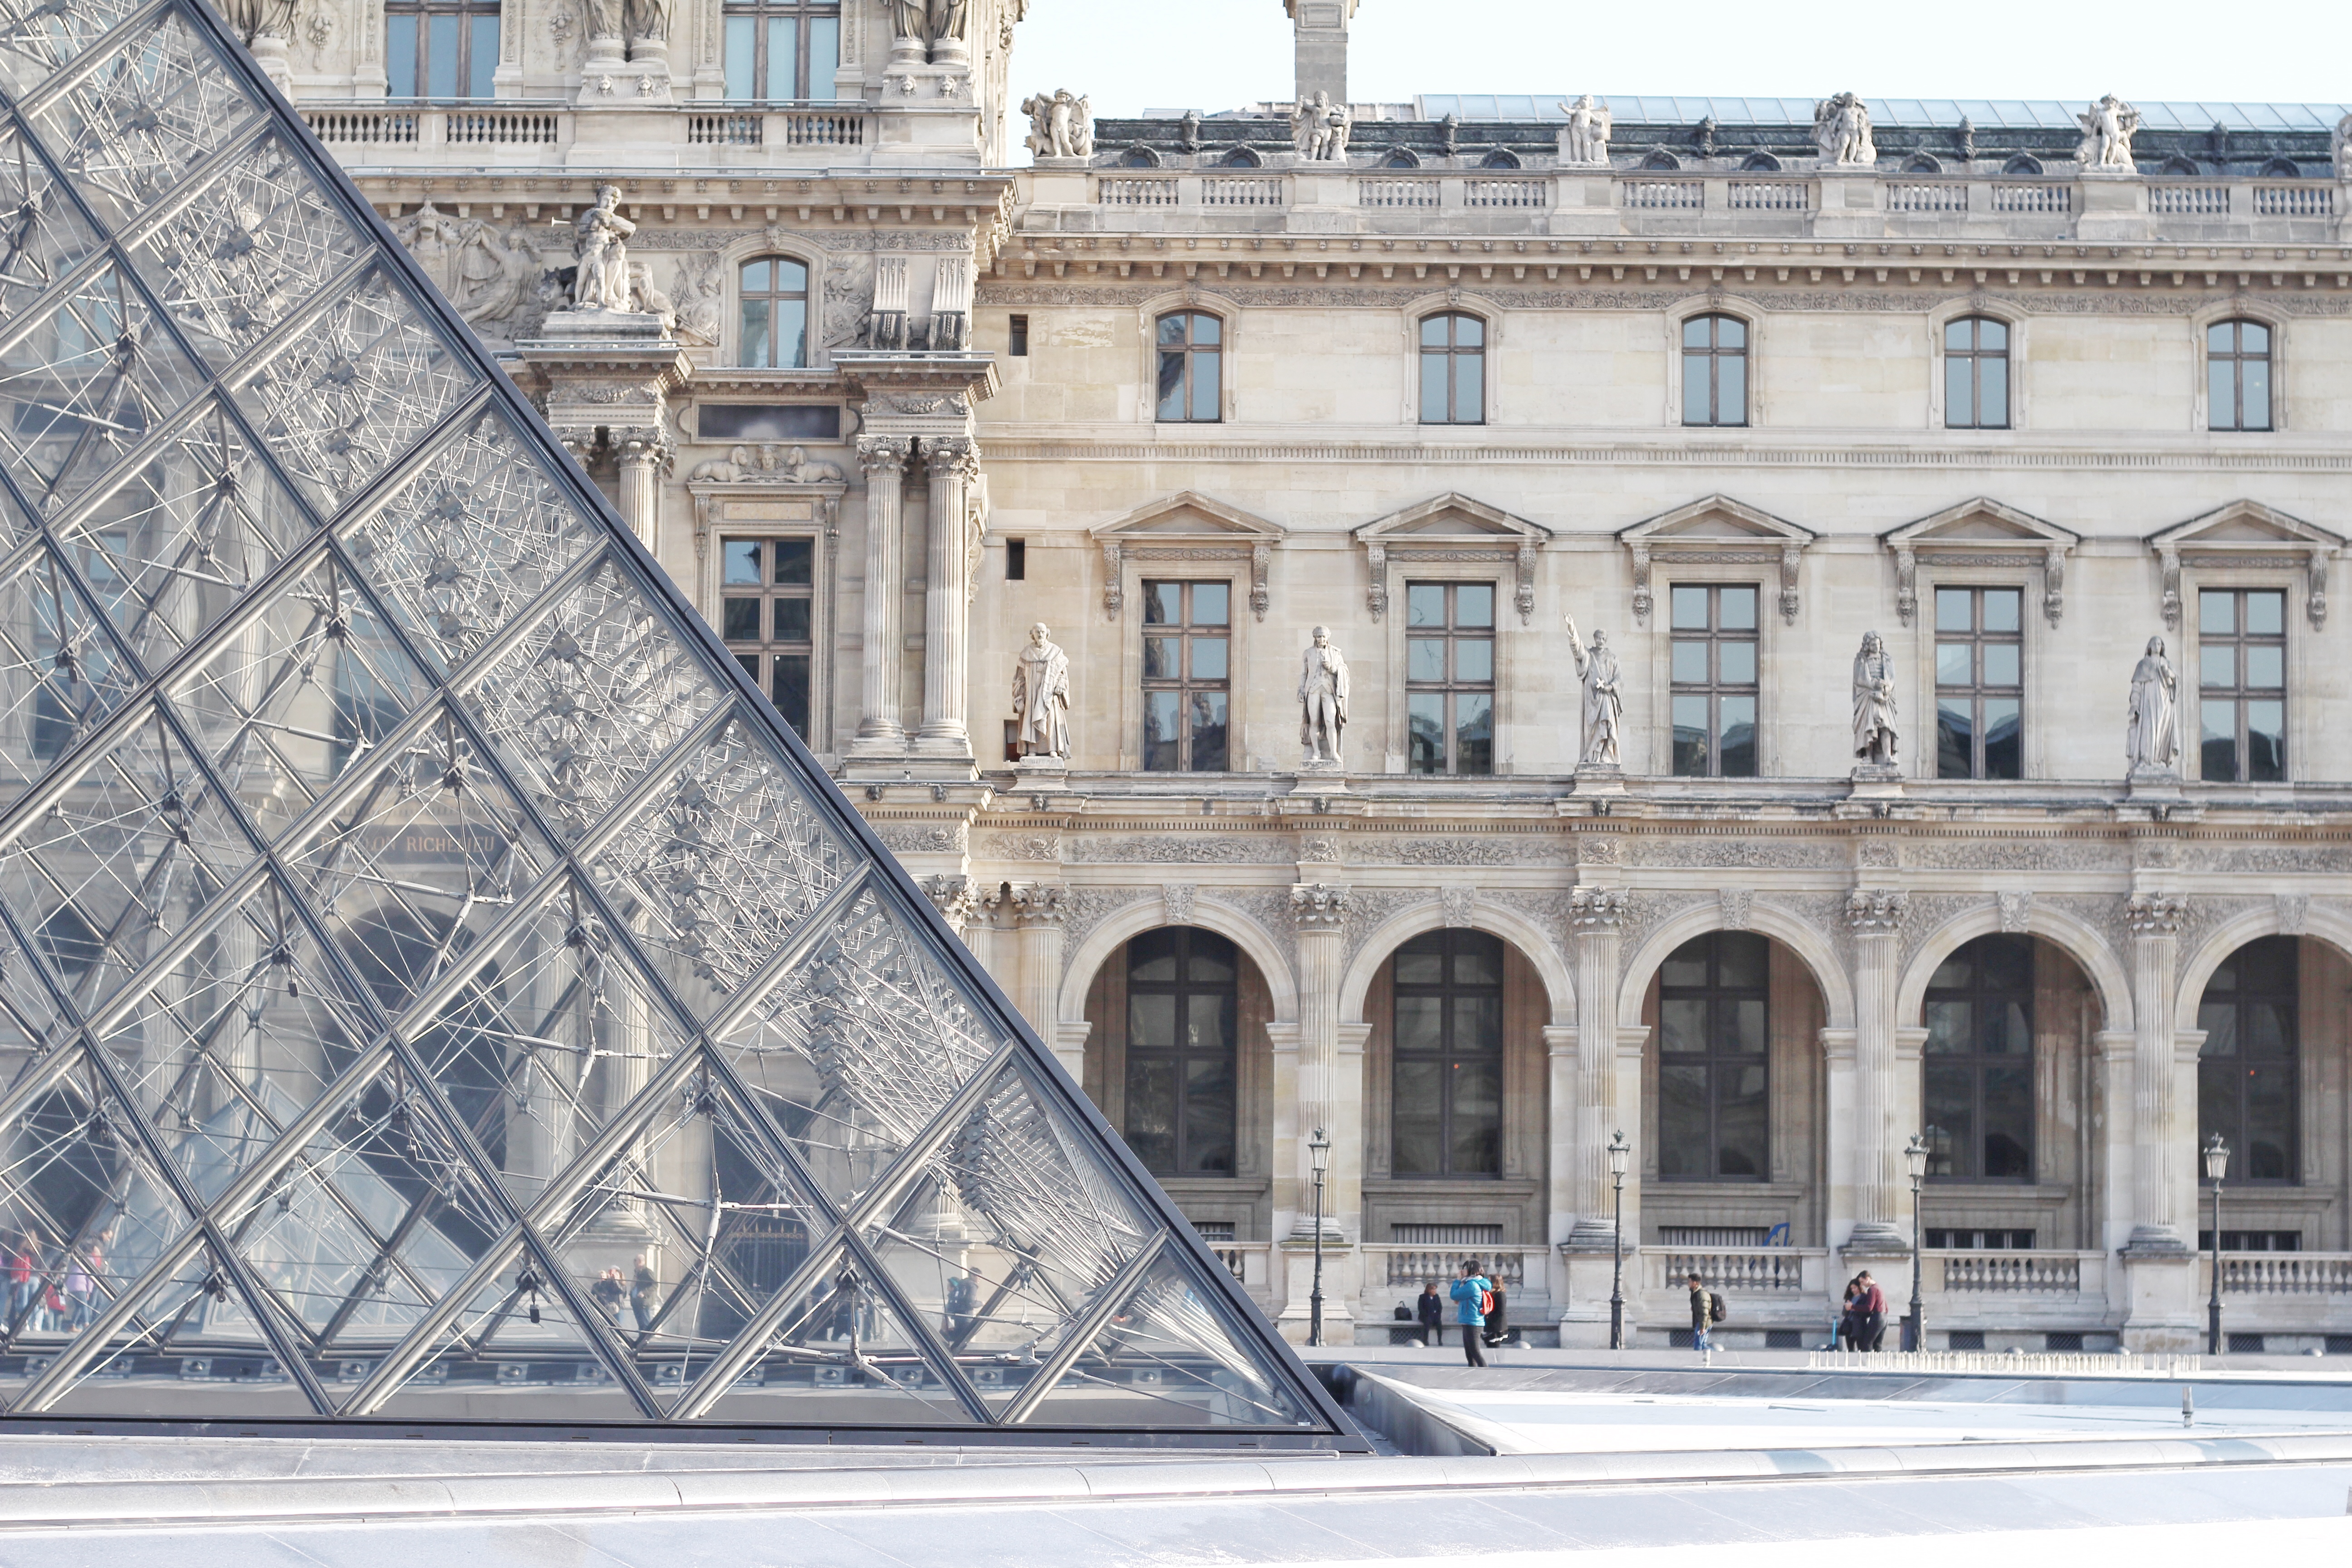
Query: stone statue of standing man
x: 600, y: 251
x: 1873, y: 704
x: 2152, y: 738
x: 1041, y: 699
x: 1323, y: 703
x: 1604, y: 706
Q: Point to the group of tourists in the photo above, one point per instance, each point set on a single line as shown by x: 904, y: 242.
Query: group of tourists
x: 621, y: 1299
x: 57, y: 1294
x: 1479, y: 1311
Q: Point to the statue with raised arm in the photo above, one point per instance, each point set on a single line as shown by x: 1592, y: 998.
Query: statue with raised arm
x: 598, y: 236
x: 1842, y: 130
x: 1323, y: 703
x: 1318, y: 128
x: 1041, y: 697
x: 1604, y: 705
x: 1586, y: 142
x: 2107, y: 132
x: 1874, y: 703
x: 2152, y: 734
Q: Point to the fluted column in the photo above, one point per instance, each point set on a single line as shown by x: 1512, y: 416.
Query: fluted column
x: 1880, y: 1218
x: 1317, y: 912
x: 643, y: 452
x: 953, y: 463
x: 1598, y: 917
x: 1039, y: 913
x: 879, y: 731
x: 2157, y: 1139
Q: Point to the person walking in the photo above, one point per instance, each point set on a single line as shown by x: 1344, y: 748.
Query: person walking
x: 643, y: 1296
x: 1429, y: 1308
x: 1702, y: 1306
x: 1498, y: 1326
x: 1470, y: 1302
x: 22, y: 1265
x: 1869, y: 1313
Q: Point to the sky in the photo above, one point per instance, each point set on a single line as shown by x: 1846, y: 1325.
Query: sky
x: 1132, y: 55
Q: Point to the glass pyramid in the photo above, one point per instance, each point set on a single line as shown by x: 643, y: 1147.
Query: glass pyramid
x: 434, y: 985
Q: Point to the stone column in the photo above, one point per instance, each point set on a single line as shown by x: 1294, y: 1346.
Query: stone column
x: 1880, y: 1221
x: 953, y: 463
x: 1597, y: 916
x: 1320, y: 1101
x: 879, y: 731
x: 2157, y: 1139
x: 644, y: 453
x: 1038, y: 913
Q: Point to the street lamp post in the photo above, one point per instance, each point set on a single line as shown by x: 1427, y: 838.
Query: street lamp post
x: 2217, y: 1165
x: 1318, y: 1149
x: 1915, y: 1155
x: 1621, y: 1155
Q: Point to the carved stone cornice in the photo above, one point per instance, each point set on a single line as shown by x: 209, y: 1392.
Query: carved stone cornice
x: 1319, y: 907
x: 1595, y: 910
x: 1876, y: 912
x: 2156, y: 914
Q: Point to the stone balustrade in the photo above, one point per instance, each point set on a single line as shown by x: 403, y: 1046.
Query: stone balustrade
x: 2287, y: 1274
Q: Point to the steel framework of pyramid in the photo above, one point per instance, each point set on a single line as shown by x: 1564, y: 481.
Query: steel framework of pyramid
x: 411, y: 920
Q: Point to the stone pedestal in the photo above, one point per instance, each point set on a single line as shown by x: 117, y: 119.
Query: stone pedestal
x: 2160, y: 1295
x: 1598, y: 779
x: 1584, y: 1313
x: 2113, y: 205
x: 1876, y: 781
x: 1341, y: 1269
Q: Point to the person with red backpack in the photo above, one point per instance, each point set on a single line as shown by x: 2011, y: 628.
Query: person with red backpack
x: 1474, y: 1297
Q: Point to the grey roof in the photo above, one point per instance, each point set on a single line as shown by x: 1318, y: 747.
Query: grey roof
x: 1985, y: 113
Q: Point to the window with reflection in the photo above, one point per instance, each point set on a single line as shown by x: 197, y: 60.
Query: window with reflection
x: 1714, y: 681
x: 1181, y: 1006
x: 1450, y: 678
x: 1447, y: 1108
x: 440, y: 48
x: 773, y: 313
x: 2241, y: 685
x: 1714, y: 993
x: 1191, y: 361
x: 1979, y: 1062
x: 1976, y: 374
x: 2238, y: 376
x: 767, y: 608
x: 2248, y: 1070
x: 1187, y: 657
x: 1715, y: 371
x: 779, y: 50
x: 1980, y: 683
x: 1452, y: 369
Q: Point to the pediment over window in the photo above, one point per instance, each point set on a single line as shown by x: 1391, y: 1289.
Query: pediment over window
x: 1981, y: 533
x: 2247, y: 534
x: 1453, y: 527
x: 1186, y: 526
x: 1717, y: 530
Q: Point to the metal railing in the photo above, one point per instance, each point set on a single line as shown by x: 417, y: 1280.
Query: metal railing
x: 2286, y: 1273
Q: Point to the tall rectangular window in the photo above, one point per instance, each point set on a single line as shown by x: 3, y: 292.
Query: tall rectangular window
x: 440, y: 48
x: 1979, y: 1062
x: 1446, y: 1109
x: 1714, y: 686
x: 1980, y: 683
x: 1714, y: 996
x: 2241, y: 685
x: 1452, y: 369
x: 1191, y: 361
x: 2248, y: 1074
x: 1715, y: 371
x: 2238, y: 376
x: 1182, y: 999
x: 778, y: 51
x: 1018, y: 346
x: 1976, y: 374
x: 1450, y: 677
x: 1187, y: 675
x: 767, y: 617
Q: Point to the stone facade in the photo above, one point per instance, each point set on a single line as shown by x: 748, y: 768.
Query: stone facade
x: 981, y: 422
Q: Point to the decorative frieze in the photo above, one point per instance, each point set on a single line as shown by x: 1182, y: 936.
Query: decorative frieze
x: 1185, y: 850
x: 920, y: 837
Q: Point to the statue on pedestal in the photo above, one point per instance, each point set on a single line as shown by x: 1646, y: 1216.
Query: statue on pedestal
x: 1874, y: 703
x: 1604, y: 706
x: 1323, y: 703
x: 1586, y: 140
x: 2152, y: 735
x: 1318, y: 128
x: 1842, y: 130
x: 1041, y: 699
x: 598, y: 235
x: 2107, y: 132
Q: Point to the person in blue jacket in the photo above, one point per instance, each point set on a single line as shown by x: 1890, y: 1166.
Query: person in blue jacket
x: 1469, y: 1294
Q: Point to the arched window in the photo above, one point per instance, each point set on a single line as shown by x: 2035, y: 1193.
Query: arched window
x: 775, y: 314
x: 1501, y: 158
x: 1401, y: 158
x: 440, y: 48
x: 1713, y: 996
x: 1181, y: 1000
x: 1979, y: 1062
x: 2247, y: 1073
x: 1976, y: 374
x: 2236, y: 377
x: 1715, y: 371
x: 1191, y: 363
x: 1243, y: 158
x: 1452, y: 369
x: 779, y: 50
x: 1446, y: 1118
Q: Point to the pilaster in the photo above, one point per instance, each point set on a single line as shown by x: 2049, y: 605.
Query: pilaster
x: 1597, y: 915
x: 1876, y: 916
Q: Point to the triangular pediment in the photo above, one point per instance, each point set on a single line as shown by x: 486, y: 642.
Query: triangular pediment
x: 1452, y: 519
x: 2247, y: 525
x: 1979, y: 524
x: 1714, y: 522
x: 1188, y: 515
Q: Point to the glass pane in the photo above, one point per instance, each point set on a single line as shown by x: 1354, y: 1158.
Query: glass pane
x: 1171, y: 331
x: 739, y: 620
x: 759, y: 335
x: 2270, y: 1029
x: 1742, y: 960
x: 1160, y: 657
x: 1209, y: 1101
x: 755, y: 276
x: 1469, y: 332
x: 1734, y: 662
x: 796, y: 560
x: 1211, y: 604
x: 2221, y: 395
x: 1697, y: 389
x: 1736, y: 610
x: 1424, y: 658
x: 793, y: 619
x: 1422, y: 961
x: 742, y: 560
x: 1477, y: 1119
x: 441, y: 56
x: 1212, y: 960
x: 1162, y: 735
x: 1151, y: 1019
x: 1684, y: 1140
x: 1690, y: 735
x: 1955, y: 740
x: 1416, y: 1118
x: 2217, y: 611
x: 2220, y: 338
x: 1739, y: 1123
x: 2255, y: 394
x: 783, y: 64
x: 1991, y: 334
x: 1955, y: 333
x: 1687, y: 965
x: 824, y: 56
x: 1432, y: 332
x: 1744, y: 1018
x: 1473, y: 604
x: 2004, y: 739
x: 1959, y: 407
x: 1477, y: 1021
x: 1474, y: 659
x: 1207, y: 330
x: 2266, y: 741
x: 1690, y: 663
x: 399, y: 56
x: 1433, y: 409
x: 482, y: 57
x: 1477, y: 959
x: 2269, y: 1146
x: 1695, y: 332
x: 1424, y: 605
x: 1730, y: 390
x: 1425, y: 721
x: 1152, y: 1111
x: 1473, y: 733
x: 1682, y: 1025
x: 791, y: 334
x: 1730, y: 332
x: 1689, y: 609
x: 2217, y: 665
x: 1208, y: 731
x: 2253, y: 338
x: 2218, y: 743
x: 2266, y: 614
x: 1955, y: 663
x: 2220, y: 1022
x: 1992, y: 393
x: 1152, y: 958
x: 1172, y: 385
x: 788, y: 691
x: 1469, y: 389
x: 742, y: 62
x: 2001, y: 609
x: 1163, y: 605
x: 1735, y: 746
x: 1954, y: 610
x: 1949, y: 1104
x: 2265, y: 666
x: 1205, y: 407
x: 2000, y: 663
x: 1208, y: 659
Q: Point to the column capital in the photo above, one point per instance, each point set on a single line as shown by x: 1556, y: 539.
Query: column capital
x: 649, y: 444
x: 1317, y: 906
x: 1040, y: 904
x: 1596, y: 909
x: 2156, y: 914
x: 954, y: 896
x: 952, y: 457
x: 883, y: 454
x: 1876, y: 912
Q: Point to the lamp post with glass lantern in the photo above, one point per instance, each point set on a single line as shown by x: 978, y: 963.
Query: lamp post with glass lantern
x: 1318, y: 1149
x: 1621, y: 1155
x: 2217, y: 1165
x: 1915, y: 1155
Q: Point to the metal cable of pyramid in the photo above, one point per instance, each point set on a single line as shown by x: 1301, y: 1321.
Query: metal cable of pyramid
x: 436, y: 990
